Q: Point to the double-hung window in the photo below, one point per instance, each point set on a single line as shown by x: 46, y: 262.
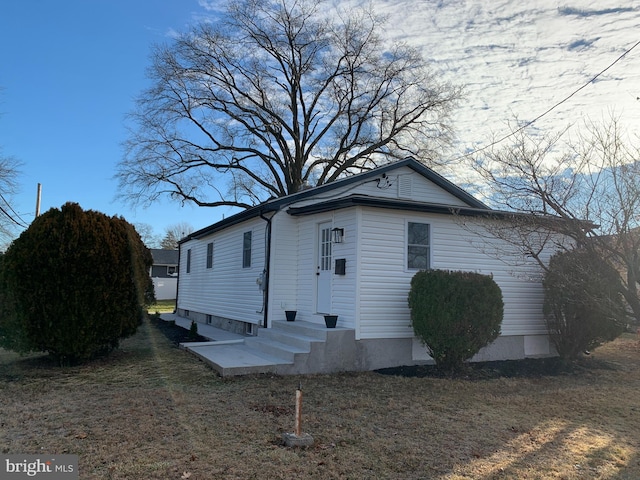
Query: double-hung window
x: 418, y: 246
x: 210, y: 255
x: 246, y: 250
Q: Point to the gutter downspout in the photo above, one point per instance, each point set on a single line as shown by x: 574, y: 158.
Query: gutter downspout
x: 267, y: 267
x: 175, y: 311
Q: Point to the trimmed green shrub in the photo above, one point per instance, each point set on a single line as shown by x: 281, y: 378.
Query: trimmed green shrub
x: 455, y: 314
x: 583, y: 306
x: 77, y: 282
x: 193, y: 330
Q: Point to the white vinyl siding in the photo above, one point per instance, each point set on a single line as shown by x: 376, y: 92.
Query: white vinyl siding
x: 227, y: 290
x: 385, y: 282
x: 283, y: 281
x: 403, y: 183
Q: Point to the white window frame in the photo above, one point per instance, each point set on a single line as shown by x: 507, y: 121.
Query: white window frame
x: 407, y: 245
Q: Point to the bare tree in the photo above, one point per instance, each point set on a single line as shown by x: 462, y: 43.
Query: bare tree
x: 148, y: 236
x: 590, y: 184
x: 9, y: 218
x: 275, y: 95
x: 173, y: 234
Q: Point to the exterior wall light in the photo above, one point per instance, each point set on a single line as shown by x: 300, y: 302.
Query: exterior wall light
x: 337, y: 235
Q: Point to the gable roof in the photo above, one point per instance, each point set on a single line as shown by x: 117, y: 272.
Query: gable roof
x: 164, y: 257
x: 274, y: 205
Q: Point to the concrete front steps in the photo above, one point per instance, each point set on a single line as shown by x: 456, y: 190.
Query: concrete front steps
x: 287, y: 348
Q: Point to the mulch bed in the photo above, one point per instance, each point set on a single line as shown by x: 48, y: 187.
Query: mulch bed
x: 175, y: 333
x: 526, y: 368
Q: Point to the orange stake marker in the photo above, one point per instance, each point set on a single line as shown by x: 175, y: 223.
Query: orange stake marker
x: 298, y: 426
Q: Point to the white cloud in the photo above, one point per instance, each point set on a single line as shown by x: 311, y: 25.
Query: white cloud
x: 520, y: 58
x: 210, y: 5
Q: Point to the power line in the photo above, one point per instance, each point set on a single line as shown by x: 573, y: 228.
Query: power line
x: 22, y: 223
x: 549, y: 110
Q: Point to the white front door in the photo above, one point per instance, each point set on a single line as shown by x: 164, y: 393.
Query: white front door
x: 323, y: 271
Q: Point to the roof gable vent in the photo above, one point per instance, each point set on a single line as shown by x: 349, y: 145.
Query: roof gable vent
x: 405, y: 186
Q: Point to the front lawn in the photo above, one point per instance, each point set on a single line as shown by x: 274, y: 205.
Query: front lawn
x: 152, y: 411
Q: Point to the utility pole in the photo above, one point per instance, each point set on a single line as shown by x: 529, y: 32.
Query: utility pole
x: 38, y: 197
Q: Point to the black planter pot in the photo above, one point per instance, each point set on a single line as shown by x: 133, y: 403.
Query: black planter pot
x: 330, y: 321
x: 291, y: 315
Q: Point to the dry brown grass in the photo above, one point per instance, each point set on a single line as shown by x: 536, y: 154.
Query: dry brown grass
x: 162, y: 306
x: 151, y: 411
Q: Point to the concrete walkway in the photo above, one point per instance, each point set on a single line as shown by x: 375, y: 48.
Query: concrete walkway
x: 224, y: 350
x: 212, y: 333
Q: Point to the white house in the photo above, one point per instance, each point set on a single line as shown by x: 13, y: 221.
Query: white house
x: 349, y: 248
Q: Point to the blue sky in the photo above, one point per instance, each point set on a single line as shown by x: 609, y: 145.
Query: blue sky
x: 71, y: 69
x: 69, y: 72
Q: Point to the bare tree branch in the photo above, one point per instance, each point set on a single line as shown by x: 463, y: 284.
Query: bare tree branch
x: 592, y: 184
x: 274, y: 95
x: 10, y: 220
x: 173, y: 234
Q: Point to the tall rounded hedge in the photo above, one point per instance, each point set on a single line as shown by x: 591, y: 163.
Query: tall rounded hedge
x: 455, y: 314
x: 12, y: 336
x: 583, y: 306
x: 77, y: 282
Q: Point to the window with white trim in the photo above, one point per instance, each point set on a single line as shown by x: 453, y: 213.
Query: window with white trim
x: 418, y: 246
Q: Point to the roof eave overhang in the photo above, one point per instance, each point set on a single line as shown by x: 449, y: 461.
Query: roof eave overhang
x: 348, y: 202
x: 240, y: 217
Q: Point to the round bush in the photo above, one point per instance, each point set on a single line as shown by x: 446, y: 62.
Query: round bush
x: 455, y: 314
x: 78, y: 281
x: 583, y: 306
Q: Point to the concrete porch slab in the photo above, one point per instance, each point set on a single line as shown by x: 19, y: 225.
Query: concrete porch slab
x: 287, y: 348
x: 236, y: 359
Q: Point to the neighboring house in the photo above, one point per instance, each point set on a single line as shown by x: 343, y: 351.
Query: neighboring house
x: 164, y: 273
x: 351, y: 248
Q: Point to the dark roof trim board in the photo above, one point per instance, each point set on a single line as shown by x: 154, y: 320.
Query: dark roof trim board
x: 406, y: 205
x: 275, y: 205
x: 366, y: 201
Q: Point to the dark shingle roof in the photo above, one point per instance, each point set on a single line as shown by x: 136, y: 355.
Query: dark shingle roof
x: 164, y: 257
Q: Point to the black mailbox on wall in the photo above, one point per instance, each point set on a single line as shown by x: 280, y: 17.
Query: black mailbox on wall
x: 341, y: 266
